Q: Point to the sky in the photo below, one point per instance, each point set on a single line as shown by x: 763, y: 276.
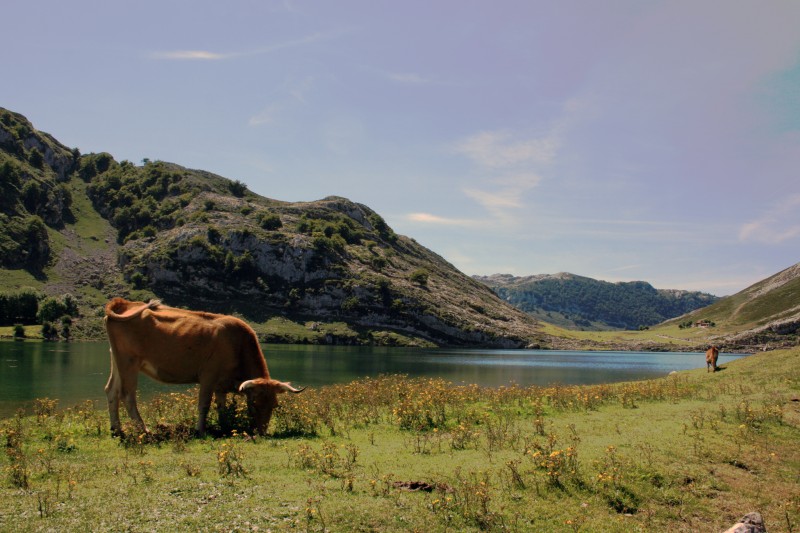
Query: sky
x: 620, y: 140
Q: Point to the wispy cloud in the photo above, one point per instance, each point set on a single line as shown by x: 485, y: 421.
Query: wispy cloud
x: 206, y: 55
x: 512, y: 164
x: 780, y: 224
x: 499, y: 149
x: 427, y: 218
x: 189, y: 55
x: 509, y: 167
x: 494, y: 201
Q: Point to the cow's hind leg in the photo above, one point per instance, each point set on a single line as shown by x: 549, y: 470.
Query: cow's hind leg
x: 113, y: 392
x: 130, y: 380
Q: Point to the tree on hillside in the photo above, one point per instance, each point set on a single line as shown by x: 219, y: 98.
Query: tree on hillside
x: 36, y: 159
x: 237, y: 188
x: 9, y: 185
x: 33, y: 196
x: 52, y: 308
x: 20, y: 306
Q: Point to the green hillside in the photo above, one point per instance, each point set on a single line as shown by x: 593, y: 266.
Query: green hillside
x: 768, y: 311
x: 329, y: 271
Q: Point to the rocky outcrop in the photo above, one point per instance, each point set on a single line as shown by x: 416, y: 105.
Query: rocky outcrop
x: 749, y: 523
x: 56, y: 156
x: 19, y: 137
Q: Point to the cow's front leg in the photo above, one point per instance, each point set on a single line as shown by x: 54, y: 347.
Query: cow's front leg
x: 203, y: 405
x: 130, y: 380
x: 221, y: 402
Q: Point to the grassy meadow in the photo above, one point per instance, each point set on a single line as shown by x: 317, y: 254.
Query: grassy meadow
x: 689, y: 452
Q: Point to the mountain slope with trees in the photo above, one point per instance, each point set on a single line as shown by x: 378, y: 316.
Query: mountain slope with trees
x: 325, y: 271
x: 578, y: 302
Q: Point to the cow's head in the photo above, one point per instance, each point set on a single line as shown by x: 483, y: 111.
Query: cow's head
x: 262, y: 398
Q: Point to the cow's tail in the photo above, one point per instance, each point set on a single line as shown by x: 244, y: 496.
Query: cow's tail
x: 118, y: 309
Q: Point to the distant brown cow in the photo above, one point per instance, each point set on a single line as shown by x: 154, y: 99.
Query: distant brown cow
x: 711, y: 359
x: 171, y: 345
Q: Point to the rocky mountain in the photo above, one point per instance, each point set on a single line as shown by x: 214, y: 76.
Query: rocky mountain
x: 33, y: 170
x: 95, y: 227
x: 578, y: 302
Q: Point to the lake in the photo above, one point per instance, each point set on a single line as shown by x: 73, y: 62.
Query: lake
x: 76, y: 371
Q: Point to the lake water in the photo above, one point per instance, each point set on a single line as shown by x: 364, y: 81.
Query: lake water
x: 76, y: 371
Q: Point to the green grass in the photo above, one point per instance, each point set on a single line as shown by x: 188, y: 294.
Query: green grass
x: 690, y: 452
x: 31, y: 331
x: 17, y: 279
x: 668, y: 334
x: 89, y: 225
x: 283, y: 330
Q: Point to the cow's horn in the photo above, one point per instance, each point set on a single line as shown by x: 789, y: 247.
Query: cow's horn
x: 287, y: 387
x: 246, y: 385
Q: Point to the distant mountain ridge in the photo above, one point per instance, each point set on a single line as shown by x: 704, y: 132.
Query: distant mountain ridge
x: 579, y: 302
x: 91, y: 226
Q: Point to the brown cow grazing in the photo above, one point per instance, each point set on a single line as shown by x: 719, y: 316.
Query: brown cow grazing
x: 711, y: 359
x: 171, y: 345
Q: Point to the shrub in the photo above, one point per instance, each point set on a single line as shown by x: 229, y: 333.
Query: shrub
x: 246, y: 264
x: 66, y: 327
x: 51, y: 309
x: 49, y: 331
x: 350, y: 304
x: 419, y: 276
x: 213, y: 234
x: 237, y: 188
x: 138, y: 280
x: 9, y: 184
x: 35, y: 158
x: 33, y: 196
x: 269, y: 221
x: 325, y: 245
x: 382, y: 227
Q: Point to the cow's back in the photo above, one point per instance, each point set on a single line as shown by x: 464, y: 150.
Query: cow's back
x: 169, y: 344
x: 179, y: 346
